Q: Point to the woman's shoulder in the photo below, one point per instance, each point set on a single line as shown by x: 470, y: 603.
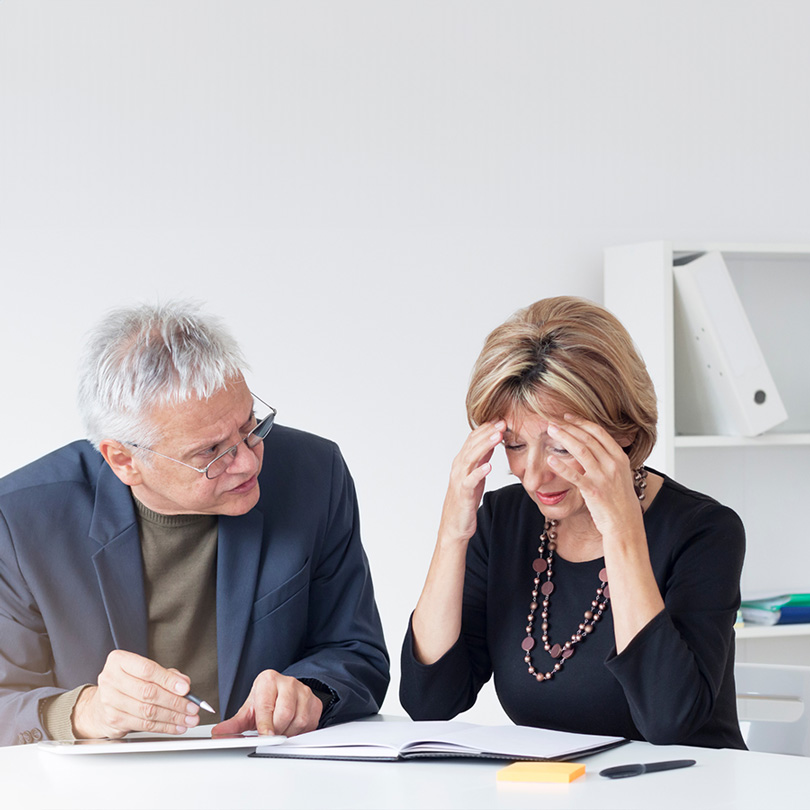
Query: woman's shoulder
x: 512, y: 496
x: 509, y: 509
x: 675, y: 492
x: 677, y: 502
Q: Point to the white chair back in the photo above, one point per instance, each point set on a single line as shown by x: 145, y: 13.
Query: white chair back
x: 772, y: 703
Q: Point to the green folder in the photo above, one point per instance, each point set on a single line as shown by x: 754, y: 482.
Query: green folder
x: 789, y: 608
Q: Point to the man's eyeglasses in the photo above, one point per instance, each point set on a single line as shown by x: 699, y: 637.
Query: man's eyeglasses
x: 221, y: 463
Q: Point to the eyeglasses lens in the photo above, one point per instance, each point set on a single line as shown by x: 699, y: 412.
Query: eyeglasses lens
x: 252, y: 440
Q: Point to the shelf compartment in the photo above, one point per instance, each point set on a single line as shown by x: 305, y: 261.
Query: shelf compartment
x: 766, y: 440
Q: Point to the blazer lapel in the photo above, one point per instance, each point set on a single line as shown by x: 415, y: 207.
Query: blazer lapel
x: 118, y: 563
x: 239, y: 548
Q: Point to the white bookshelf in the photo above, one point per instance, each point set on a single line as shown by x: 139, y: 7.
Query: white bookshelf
x: 755, y: 631
x: 766, y: 479
x: 766, y: 440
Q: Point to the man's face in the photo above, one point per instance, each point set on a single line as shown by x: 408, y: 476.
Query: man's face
x: 196, y: 432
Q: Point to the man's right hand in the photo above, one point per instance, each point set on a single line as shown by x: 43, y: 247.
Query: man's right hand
x: 134, y: 694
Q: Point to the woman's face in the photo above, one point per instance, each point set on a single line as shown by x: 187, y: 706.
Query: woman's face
x: 528, y: 448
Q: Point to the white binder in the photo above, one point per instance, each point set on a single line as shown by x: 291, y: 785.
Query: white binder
x: 723, y: 385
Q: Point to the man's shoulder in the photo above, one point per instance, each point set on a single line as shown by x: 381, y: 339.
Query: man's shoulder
x: 78, y: 462
x: 300, y: 464
x: 290, y: 442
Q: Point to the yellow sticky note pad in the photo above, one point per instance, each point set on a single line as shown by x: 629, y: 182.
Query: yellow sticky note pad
x: 541, y: 772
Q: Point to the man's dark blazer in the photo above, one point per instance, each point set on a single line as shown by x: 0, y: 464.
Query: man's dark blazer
x: 293, y: 586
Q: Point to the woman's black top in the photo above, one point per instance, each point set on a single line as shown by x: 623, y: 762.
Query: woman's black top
x: 673, y: 684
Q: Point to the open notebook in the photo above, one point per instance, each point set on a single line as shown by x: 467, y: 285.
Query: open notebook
x: 406, y: 739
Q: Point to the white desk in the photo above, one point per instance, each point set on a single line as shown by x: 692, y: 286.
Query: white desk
x: 32, y: 779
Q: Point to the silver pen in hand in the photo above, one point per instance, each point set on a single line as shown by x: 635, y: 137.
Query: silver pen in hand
x: 203, y: 704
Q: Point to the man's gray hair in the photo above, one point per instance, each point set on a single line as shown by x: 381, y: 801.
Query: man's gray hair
x: 142, y: 357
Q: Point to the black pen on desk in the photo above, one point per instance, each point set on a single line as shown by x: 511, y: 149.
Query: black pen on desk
x: 636, y: 769
x: 203, y: 704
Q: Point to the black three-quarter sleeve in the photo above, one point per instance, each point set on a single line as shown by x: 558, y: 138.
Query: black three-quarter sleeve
x: 673, y: 672
x: 441, y: 690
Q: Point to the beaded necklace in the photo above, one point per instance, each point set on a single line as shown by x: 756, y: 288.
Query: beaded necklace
x: 544, y: 565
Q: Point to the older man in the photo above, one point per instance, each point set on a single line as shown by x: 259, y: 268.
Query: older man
x: 190, y: 546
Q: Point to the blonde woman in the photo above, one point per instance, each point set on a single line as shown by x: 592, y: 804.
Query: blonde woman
x: 600, y: 594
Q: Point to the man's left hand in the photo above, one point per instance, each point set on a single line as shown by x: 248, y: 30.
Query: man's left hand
x: 277, y: 704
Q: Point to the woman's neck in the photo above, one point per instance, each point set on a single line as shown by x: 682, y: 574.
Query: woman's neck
x: 578, y: 539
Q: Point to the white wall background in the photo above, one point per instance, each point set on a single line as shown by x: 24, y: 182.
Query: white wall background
x: 364, y: 189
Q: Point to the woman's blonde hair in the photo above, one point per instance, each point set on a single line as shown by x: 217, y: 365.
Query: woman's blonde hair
x: 567, y: 355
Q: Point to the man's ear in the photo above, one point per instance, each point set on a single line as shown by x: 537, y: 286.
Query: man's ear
x: 121, y: 461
